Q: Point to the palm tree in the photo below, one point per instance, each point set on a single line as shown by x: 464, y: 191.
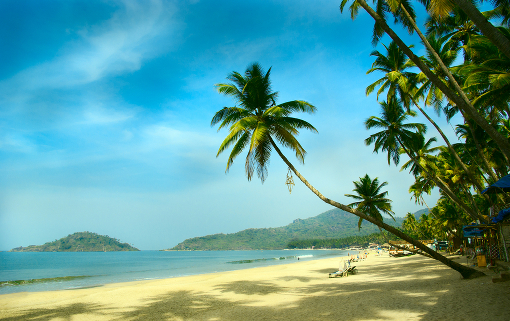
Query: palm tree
x: 422, y: 151
x: 395, y: 135
x: 488, y: 77
x: 371, y: 200
x: 258, y: 118
x: 473, y: 146
x: 456, y: 95
x: 398, y: 81
x: 443, y: 9
x: 410, y: 224
x: 456, y: 27
x: 421, y: 185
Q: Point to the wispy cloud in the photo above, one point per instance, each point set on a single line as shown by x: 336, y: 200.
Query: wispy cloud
x: 118, y: 45
x: 99, y: 115
x: 162, y: 136
x: 136, y: 32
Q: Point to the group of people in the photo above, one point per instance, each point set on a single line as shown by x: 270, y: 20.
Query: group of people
x: 357, y: 258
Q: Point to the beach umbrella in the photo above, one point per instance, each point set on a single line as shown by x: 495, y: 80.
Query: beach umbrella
x: 501, y: 186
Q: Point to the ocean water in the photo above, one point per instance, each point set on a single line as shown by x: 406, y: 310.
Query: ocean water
x: 99, y: 268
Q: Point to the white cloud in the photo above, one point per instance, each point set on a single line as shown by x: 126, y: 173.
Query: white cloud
x: 101, y: 115
x: 16, y: 143
x: 161, y: 136
x: 136, y: 32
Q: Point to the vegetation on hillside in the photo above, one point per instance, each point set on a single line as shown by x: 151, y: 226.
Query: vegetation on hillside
x: 341, y: 243
x: 332, y: 224
x: 79, y: 242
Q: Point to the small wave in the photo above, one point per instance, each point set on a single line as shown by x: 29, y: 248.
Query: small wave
x: 264, y: 259
x: 44, y: 280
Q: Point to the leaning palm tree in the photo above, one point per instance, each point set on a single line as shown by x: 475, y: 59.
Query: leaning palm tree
x: 370, y: 198
x: 258, y: 121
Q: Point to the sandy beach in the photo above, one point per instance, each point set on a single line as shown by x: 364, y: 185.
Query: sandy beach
x: 408, y: 288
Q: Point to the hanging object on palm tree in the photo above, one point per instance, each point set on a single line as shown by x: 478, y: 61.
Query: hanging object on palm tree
x: 289, y: 181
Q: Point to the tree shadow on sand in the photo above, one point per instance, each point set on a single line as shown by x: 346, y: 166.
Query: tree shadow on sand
x: 393, y: 294
x: 181, y: 305
x: 60, y: 313
x: 249, y: 287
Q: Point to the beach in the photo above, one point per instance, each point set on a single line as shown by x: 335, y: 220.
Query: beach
x: 385, y: 288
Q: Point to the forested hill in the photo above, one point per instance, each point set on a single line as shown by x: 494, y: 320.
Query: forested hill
x: 79, y: 242
x: 334, y: 223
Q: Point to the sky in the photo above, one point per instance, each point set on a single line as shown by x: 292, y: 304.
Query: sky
x: 105, y: 111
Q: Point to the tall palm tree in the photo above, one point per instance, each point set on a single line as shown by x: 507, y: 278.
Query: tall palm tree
x: 258, y: 119
x: 444, y: 7
x: 402, y: 83
x: 488, y: 76
x: 371, y: 200
x: 456, y: 95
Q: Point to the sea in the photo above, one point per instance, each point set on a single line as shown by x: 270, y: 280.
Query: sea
x: 50, y: 271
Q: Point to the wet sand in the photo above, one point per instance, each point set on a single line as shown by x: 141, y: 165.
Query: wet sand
x: 408, y: 288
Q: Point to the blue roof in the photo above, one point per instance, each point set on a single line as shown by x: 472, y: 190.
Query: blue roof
x: 501, y: 186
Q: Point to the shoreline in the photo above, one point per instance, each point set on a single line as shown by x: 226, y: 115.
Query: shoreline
x: 386, y: 288
x: 154, y: 267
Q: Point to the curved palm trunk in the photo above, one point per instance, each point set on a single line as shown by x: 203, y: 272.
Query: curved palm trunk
x: 466, y: 272
x: 459, y: 99
x: 488, y: 30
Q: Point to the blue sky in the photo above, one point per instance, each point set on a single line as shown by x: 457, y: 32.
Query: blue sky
x: 105, y: 110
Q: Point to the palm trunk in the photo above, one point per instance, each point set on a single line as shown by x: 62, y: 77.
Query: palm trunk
x: 492, y: 33
x: 459, y: 101
x: 466, y: 272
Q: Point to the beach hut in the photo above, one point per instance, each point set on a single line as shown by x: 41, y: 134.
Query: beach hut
x: 500, y: 214
x: 483, y: 243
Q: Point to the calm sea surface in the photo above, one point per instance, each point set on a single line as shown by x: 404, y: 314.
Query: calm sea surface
x: 111, y: 267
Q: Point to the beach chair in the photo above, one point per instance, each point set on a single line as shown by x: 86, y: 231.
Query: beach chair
x: 339, y: 273
x: 352, y: 270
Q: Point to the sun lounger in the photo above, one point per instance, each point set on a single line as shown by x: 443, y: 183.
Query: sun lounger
x: 352, y: 270
x: 338, y: 273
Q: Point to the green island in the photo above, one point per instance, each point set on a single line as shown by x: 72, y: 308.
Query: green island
x: 79, y: 242
x: 321, y: 231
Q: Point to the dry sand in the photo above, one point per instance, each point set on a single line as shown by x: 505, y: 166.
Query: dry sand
x: 408, y: 288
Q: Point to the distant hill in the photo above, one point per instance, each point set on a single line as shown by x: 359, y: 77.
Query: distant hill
x: 421, y: 212
x: 79, y: 242
x: 334, y: 223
